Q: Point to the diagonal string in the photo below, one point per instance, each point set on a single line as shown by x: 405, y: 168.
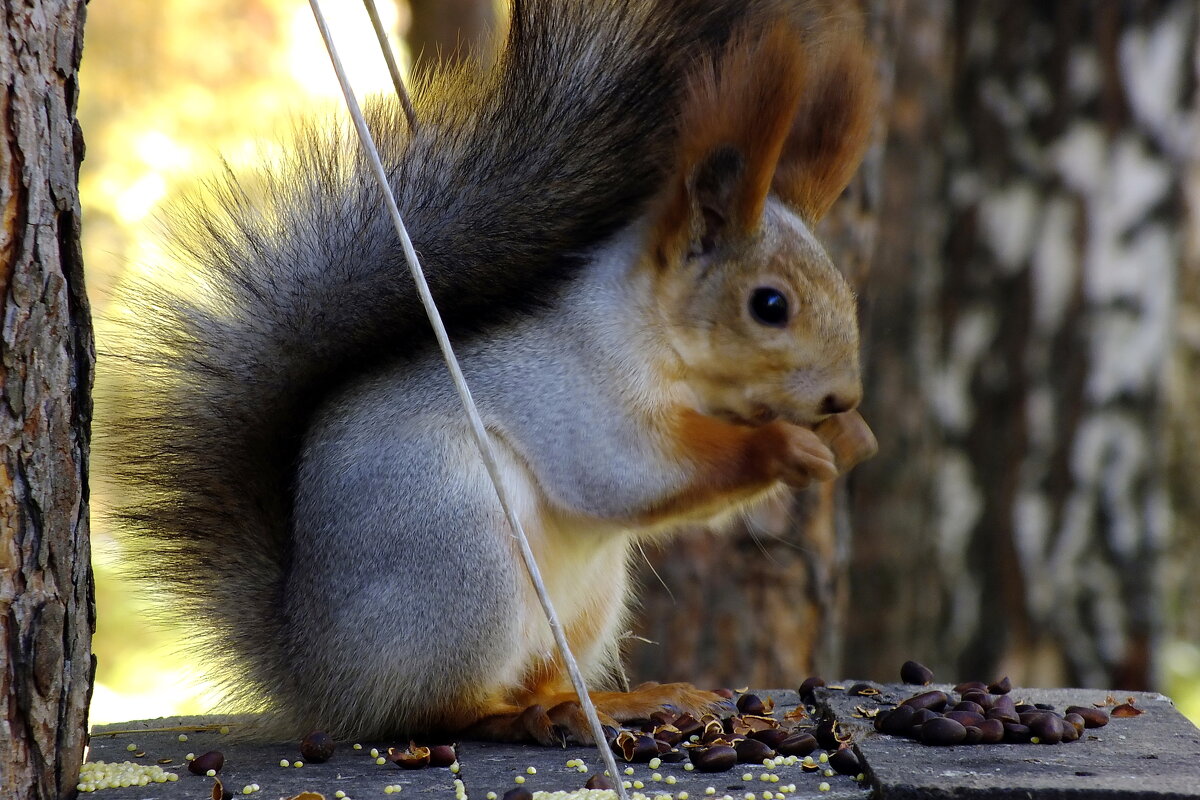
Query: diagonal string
x: 486, y: 450
x: 393, y: 70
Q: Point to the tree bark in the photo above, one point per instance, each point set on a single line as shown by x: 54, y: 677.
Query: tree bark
x: 46, y: 360
x: 1020, y: 326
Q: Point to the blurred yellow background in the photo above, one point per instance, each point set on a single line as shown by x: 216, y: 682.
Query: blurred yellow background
x: 168, y: 89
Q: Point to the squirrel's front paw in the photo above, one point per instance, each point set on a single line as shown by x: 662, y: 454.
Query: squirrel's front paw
x: 804, y: 458
x: 849, y: 437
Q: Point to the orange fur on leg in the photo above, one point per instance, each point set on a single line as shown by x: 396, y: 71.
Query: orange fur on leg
x: 731, y: 464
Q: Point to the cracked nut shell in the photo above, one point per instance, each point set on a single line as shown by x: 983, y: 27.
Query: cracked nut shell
x: 411, y: 757
x: 635, y: 748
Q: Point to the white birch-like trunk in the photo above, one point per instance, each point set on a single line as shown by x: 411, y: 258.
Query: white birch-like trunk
x: 1021, y: 328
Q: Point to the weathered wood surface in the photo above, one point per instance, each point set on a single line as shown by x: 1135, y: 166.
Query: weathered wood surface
x: 1152, y: 757
x: 46, y: 358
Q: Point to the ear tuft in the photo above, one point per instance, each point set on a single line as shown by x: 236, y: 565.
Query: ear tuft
x: 736, y: 115
x: 787, y: 109
x: 832, y: 127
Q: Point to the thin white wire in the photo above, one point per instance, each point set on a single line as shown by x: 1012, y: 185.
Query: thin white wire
x: 481, y: 438
x: 393, y: 70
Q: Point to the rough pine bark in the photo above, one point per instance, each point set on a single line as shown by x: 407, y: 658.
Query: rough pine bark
x: 46, y: 359
x: 1022, y: 300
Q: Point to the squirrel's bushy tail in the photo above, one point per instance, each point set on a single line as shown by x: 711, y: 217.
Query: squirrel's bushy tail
x: 296, y: 281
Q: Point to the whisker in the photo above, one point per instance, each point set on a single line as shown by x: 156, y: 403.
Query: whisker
x: 646, y: 558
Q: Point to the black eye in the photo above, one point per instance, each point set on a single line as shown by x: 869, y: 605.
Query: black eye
x: 769, y: 306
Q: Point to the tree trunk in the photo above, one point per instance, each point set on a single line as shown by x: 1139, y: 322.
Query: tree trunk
x: 46, y: 360
x: 1183, y: 565
x: 1020, y: 316
x: 450, y: 31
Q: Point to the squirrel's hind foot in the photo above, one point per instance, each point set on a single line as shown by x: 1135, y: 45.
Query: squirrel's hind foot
x: 647, y: 698
x: 564, y: 723
x: 557, y: 719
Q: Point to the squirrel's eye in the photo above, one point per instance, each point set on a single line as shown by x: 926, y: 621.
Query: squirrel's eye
x: 769, y: 306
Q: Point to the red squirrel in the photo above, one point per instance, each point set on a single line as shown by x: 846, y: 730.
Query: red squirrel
x: 616, y: 221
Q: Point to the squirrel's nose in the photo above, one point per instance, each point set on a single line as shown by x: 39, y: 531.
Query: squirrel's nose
x: 837, y: 403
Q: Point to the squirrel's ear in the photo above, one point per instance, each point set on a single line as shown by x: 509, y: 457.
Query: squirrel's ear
x: 832, y: 126
x: 712, y: 196
x: 736, y: 115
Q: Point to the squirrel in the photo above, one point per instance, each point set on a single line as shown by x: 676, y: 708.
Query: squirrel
x: 616, y: 221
